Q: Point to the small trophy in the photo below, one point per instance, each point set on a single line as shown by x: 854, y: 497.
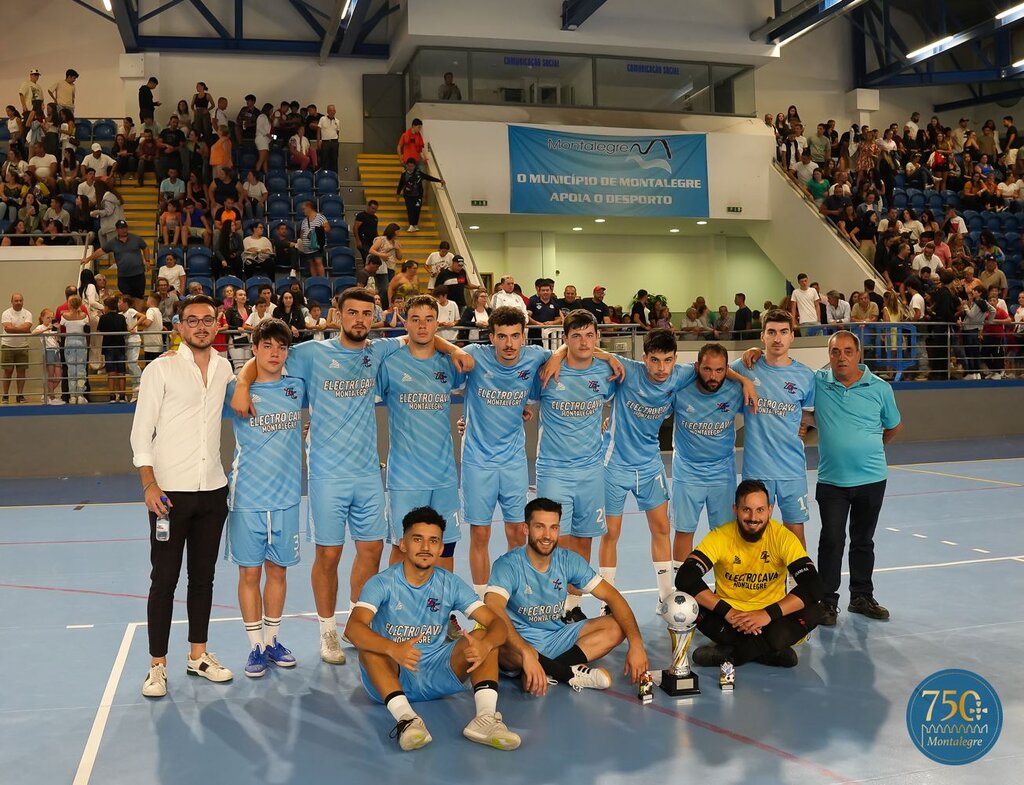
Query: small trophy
x: 645, y: 692
x: 727, y: 677
x: 680, y: 610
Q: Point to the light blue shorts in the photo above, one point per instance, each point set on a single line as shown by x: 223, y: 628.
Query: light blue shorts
x: 445, y: 500
x: 433, y: 679
x: 355, y: 503
x: 790, y: 497
x: 581, y: 494
x: 256, y: 537
x: 482, y: 489
x: 649, y: 486
x: 688, y: 499
x: 551, y: 643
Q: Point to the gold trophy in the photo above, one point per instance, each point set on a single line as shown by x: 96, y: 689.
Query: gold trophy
x: 680, y: 610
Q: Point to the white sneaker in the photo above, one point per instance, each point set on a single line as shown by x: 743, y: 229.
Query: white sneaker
x: 330, y: 649
x: 155, y: 685
x: 591, y: 678
x: 490, y: 730
x: 411, y: 733
x: 208, y: 667
x: 996, y: 375
x: 56, y: 402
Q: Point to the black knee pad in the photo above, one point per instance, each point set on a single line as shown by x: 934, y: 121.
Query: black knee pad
x: 449, y: 550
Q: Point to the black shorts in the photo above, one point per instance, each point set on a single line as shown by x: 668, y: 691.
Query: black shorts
x: 114, y: 359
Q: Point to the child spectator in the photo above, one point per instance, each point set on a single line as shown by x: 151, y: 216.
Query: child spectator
x: 112, y: 327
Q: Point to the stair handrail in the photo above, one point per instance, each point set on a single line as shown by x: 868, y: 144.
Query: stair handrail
x: 456, y: 230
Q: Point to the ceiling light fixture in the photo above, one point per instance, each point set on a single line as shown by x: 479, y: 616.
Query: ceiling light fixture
x: 930, y: 47
x: 577, y: 228
x: 702, y: 223
x: 674, y: 231
x: 1010, y: 11
x: 599, y: 220
x: 474, y: 226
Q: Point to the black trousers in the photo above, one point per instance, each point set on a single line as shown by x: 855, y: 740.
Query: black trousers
x: 197, y: 521
x: 134, y: 285
x: 329, y: 154
x: 774, y: 636
x: 413, y: 205
x: 861, y: 504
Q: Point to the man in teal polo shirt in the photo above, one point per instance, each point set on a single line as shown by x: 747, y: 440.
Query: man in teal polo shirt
x: 856, y: 415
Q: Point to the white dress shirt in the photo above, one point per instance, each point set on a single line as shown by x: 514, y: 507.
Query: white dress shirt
x: 178, y: 421
x: 510, y: 299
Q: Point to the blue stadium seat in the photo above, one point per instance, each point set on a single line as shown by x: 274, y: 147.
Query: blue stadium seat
x: 1011, y: 222
x: 343, y: 282
x: 104, y: 131
x: 199, y: 261
x: 302, y: 180
x: 935, y: 201
x: 916, y: 199
x: 277, y: 182
x: 900, y: 180
x: 1012, y: 242
x: 246, y: 160
x: 283, y: 283
x: 899, y: 198
x: 951, y: 197
x: 83, y: 130
x: 279, y: 207
x: 992, y: 222
x: 227, y: 280
x: 338, y: 234
x: 342, y: 260
x: 972, y: 239
x: 332, y: 207
x: 326, y: 182
x: 277, y: 159
x: 975, y: 223
x: 254, y: 283
x: 175, y: 251
x: 317, y: 288
x: 5, y: 135
x: 203, y: 281
x: 298, y: 198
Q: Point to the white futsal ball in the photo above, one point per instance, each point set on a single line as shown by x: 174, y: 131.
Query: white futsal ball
x: 679, y: 610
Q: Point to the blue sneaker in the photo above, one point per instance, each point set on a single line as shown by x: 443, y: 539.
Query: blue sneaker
x: 279, y: 655
x: 256, y: 665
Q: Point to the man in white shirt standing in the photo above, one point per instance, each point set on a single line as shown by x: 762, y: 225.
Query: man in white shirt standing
x: 17, y: 323
x: 176, y: 444
x: 506, y: 295
x: 805, y: 304
x: 447, y: 314
x: 328, y: 131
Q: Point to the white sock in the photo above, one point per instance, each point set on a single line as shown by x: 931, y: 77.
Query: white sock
x: 327, y: 625
x: 572, y: 601
x: 270, y: 629
x: 675, y: 566
x: 480, y: 589
x: 486, y: 700
x: 399, y: 707
x: 608, y: 574
x: 663, y: 572
x: 254, y: 629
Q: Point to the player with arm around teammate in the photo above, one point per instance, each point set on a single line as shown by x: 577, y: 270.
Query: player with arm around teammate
x: 749, y: 616
x: 398, y: 625
x: 528, y: 591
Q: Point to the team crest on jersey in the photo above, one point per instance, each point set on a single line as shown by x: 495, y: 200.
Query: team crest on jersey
x: 433, y: 604
x: 594, y: 386
x: 690, y: 409
x: 736, y: 560
x: 406, y: 377
x: 560, y: 387
x: 334, y: 364
x: 399, y: 606
x: 557, y: 583
x: 441, y: 376
x: 723, y: 406
x: 523, y: 374
x: 789, y: 387
x: 290, y: 393
x: 765, y: 557
x: 367, y: 362
x: 757, y: 381
x: 527, y: 589
x: 257, y: 399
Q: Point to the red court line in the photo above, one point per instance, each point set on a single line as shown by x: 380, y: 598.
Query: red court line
x: 95, y: 592
x: 70, y: 542
x: 738, y: 737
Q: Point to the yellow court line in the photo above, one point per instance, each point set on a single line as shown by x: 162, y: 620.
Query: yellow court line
x: 958, y: 476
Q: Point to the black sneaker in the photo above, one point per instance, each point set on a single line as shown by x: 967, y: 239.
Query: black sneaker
x: 866, y: 605
x: 575, y: 615
x: 829, y: 615
x: 711, y: 656
x: 20, y: 399
x: 784, y: 658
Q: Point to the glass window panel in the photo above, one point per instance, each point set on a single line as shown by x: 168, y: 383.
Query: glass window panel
x: 653, y: 85
x: 733, y: 89
x: 543, y: 78
x: 427, y: 75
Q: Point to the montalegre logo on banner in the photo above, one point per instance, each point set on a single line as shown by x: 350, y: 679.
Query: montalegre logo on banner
x: 556, y: 172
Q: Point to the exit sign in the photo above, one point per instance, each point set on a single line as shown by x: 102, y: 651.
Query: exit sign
x: 478, y: 202
x: 734, y: 209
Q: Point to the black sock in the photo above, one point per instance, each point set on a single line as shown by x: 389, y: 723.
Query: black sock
x: 573, y: 656
x: 561, y: 666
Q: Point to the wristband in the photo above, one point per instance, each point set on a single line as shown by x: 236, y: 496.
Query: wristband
x: 722, y: 608
x: 774, y: 611
x: 146, y: 486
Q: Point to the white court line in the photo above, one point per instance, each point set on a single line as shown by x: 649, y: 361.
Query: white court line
x: 891, y: 529
x: 947, y: 542
x: 239, y: 618
x: 980, y: 550
x: 80, y: 626
x: 92, y: 745
x: 920, y: 536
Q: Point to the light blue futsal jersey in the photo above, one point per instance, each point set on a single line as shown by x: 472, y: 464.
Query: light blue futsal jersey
x: 571, y: 413
x: 403, y: 611
x: 536, y: 599
x: 704, y: 439
x: 639, y: 408
x: 418, y: 397
x: 342, y: 385
x: 266, y: 473
x: 495, y: 397
x: 772, y: 449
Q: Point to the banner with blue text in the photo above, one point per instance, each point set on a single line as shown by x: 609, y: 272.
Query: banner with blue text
x: 560, y: 173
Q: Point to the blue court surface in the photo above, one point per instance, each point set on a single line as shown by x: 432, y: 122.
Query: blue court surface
x: 73, y: 584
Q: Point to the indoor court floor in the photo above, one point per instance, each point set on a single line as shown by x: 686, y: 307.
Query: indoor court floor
x: 73, y: 583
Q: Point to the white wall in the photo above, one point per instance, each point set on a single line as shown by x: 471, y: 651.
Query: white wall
x: 680, y: 268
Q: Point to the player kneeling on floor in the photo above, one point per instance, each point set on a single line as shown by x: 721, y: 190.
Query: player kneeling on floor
x: 749, y: 616
x: 528, y: 589
x: 399, y: 625
x: 264, y: 493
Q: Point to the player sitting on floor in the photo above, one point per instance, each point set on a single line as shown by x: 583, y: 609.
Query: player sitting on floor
x: 528, y: 590
x: 750, y: 616
x: 399, y: 625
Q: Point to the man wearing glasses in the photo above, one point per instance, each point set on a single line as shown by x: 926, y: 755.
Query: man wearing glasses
x: 176, y: 444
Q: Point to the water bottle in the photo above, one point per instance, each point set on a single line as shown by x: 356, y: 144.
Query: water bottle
x: 163, y: 524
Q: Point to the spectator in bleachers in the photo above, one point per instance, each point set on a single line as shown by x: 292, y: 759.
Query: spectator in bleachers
x: 147, y: 103
x: 926, y: 258
x: 974, y: 194
x: 171, y: 189
x: 104, y: 166
x: 691, y: 328
x: 228, y: 238
x: 54, y: 234
x: 987, y: 246
x: 112, y: 327
x: 867, y: 232
x: 570, y: 301
x: 123, y: 152
x: 1009, y: 191
x: 394, y: 317
x: 328, y: 134
x: 848, y: 224
x: 1011, y: 142
x: 245, y: 122
x: 42, y: 164
x: 992, y: 276
x: 912, y: 225
x: 168, y: 302
x: 293, y: 315
x: 315, y: 321
x: 196, y: 151
x: 638, y: 311
x: 56, y: 211
x: 993, y: 339
x: 805, y: 299
x: 195, y: 223
x: 201, y: 105
x: 221, y: 152
x: 410, y: 143
x: 184, y: 116
x: 30, y: 214
x: 744, y: 319
x: 146, y: 154
x: 597, y: 306
x: 219, y: 118
x: 255, y: 203
x: 63, y: 92
x: 863, y: 309
x: 301, y: 154
x: 388, y: 247
x: 977, y: 312
x: 194, y: 189
x: 174, y: 273
x: 410, y: 188
x: 239, y: 346
x: 257, y: 254
x: 437, y: 261
x: 661, y: 316
x: 14, y: 346
x: 170, y: 144
x: 364, y: 229
x: 223, y: 186
x: 406, y: 282
x: 13, y: 166
x: 69, y: 172
x: 454, y: 278
x: 262, y: 138
x: 262, y: 311
x: 285, y: 255
x: 724, y: 327
x: 837, y: 311
x: 312, y: 239
x: 133, y: 341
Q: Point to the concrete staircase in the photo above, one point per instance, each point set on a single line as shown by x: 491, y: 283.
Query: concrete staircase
x: 379, y: 175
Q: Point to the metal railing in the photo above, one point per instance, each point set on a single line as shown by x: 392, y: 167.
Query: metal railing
x: 446, y: 208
